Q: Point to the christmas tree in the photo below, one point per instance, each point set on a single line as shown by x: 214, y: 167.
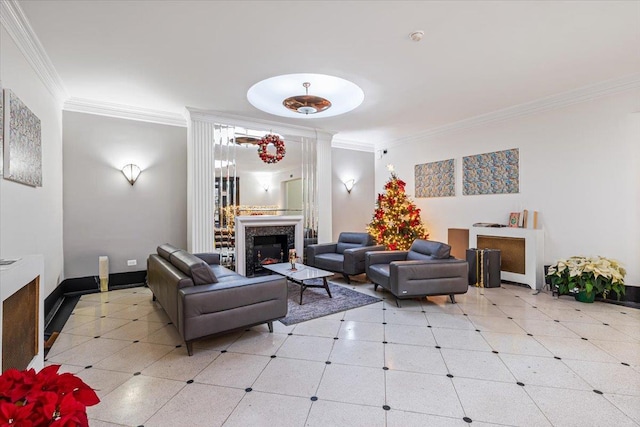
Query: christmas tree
x: 396, y: 221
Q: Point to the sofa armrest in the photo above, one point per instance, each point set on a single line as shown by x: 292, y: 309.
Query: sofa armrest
x: 384, y: 257
x: 321, y: 248
x: 354, y: 258
x: 211, y: 258
x: 404, y: 271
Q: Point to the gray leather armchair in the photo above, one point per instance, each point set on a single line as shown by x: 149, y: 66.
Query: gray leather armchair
x: 346, y: 256
x: 425, y: 269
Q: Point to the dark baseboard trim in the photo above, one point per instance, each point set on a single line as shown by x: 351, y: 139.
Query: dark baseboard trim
x: 61, y: 302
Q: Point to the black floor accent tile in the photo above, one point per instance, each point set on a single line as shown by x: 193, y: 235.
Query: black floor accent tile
x: 384, y: 342
x: 477, y: 330
x: 428, y: 326
x: 179, y: 345
x: 335, y: 338
x: 449, y: 375
x: 511, y: 318
x: 384, y: 323
x: 136, y: 341
x: 557, y: 321
x: 597, y: 391
x: 314, y: 398
x: 135, y: 374
x: 494, y: 351
x: 586, y: 339
x: 328, y: 362
x: 556, y: 357
x: 190, y: 382
x: 273, y: 356
x: 520, y: 384
x: 88, y: 367
x: 386, y: 407
x: 384, y: 368
x: 97, y: 336
x: 223, y: 351
x: 467, y: 420
x: 530, y: 335
x: 438, y: 346
x: 290, y: 333
x: 624, y: 363
x: 248, y: 389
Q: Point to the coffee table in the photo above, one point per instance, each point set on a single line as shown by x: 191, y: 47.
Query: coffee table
x: 300, y: 274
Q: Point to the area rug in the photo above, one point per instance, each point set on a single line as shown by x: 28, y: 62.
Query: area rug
x: 316, y: 302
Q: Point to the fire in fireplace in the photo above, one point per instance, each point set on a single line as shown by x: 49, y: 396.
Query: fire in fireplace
x: 270, y: 249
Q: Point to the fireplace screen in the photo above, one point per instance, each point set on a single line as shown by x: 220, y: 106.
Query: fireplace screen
x: 268, y: 250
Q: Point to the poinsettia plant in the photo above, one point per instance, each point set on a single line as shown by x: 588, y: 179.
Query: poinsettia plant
x: 46, y: 398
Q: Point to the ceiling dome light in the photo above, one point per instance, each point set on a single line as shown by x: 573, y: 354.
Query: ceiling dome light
x: 279, y: 95
x: 306, y: 104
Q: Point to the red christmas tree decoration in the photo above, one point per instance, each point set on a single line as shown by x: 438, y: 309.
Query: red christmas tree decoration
x: 396, y: 220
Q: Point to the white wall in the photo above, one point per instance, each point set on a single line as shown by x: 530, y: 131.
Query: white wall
x: 31, y: 218
x: 352, y: 212
x: 103, y: 213
x: 578, y: 167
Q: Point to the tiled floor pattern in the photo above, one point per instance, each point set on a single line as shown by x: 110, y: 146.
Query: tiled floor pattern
x: 499, y: 357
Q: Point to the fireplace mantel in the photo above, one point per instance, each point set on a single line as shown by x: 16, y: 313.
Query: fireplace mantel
x: 242, y: 222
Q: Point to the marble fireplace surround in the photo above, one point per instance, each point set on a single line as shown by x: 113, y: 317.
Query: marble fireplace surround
x: 267, y: 224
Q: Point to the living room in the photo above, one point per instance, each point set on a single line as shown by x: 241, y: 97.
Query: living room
x: 558, y: 81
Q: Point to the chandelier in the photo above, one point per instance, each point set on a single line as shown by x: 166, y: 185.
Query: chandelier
x: 306, y: 104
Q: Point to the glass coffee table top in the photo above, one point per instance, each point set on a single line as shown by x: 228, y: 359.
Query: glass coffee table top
x: 300, y: 274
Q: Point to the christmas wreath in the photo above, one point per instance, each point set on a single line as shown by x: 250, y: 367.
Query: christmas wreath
x: 276, y: 142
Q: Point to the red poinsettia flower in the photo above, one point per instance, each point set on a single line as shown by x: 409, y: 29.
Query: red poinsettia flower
x: 16, y: 415
x: 393, y: 246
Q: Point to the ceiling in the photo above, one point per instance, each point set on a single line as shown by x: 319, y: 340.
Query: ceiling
x: 476, y: 56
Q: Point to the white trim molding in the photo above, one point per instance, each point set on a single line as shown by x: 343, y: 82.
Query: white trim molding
x: 219, y: 117
x: 585, y: 93
x: 17, y: 25
x: 127, y: 112
x: 352, y: 145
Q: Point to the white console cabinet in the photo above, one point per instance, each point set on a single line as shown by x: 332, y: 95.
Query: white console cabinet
x: 533, y: 252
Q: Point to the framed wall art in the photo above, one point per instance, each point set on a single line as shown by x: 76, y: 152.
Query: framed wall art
x: 491, y: 173
x: 435, y: 179
x: 22, y: 142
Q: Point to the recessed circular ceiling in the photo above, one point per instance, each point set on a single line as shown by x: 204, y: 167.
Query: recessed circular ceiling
x: 305, y: 96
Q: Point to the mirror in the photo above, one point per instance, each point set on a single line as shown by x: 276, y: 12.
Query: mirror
x: 247, y: 185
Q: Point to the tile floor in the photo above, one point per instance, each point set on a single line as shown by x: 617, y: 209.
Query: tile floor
x: 499, y: 357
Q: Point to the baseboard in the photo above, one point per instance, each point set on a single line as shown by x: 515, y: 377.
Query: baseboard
x: 59, y: 304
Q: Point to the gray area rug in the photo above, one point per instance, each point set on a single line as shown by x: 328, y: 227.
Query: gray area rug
x: 316, y: 302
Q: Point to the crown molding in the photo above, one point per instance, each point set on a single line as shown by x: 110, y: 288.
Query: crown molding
x: 352, y: 145
x: 564, y: 99
x: 218, y: 117
x: 17, y: 25
x: 127, y: 112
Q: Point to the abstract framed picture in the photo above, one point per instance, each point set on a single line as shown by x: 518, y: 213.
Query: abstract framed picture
x: 435, y: 179
x: 491, y: 173
x: 22, y: 142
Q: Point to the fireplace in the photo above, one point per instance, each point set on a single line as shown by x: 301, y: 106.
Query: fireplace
x: 22, y: 313
x: 249, y: 227
x: 272, y: 243
x: 270, y: 249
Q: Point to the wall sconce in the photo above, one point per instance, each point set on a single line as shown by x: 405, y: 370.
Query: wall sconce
x: 349, y: 185
x: 131, y: 172
x: 265, y: 186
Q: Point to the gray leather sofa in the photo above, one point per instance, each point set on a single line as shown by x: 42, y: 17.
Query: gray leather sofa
x: 203, y: 298
x: 425, y: 269
x: 346, y: 256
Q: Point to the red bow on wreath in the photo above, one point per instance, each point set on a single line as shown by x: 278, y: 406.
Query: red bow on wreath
x: 276, y: 142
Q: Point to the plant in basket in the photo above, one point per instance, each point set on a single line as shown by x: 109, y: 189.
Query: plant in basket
x: 46, y: 398
x: 588, y: 275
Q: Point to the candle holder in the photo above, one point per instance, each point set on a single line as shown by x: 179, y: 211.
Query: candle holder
x: 292, y: 259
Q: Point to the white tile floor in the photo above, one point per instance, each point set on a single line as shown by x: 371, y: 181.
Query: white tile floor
x: 499, y: 357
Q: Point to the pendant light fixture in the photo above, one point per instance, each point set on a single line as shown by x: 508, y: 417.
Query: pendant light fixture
x: 306, y: 104
x: 330, y: 96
